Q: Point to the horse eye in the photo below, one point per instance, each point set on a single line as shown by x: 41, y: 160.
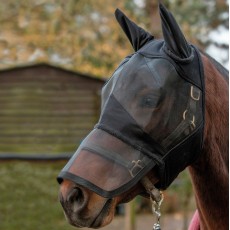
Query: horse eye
x: 149, y: 102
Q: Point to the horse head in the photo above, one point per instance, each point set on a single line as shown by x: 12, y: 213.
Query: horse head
x: 151, y: 125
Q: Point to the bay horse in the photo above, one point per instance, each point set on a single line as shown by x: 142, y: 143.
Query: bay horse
x: 164, y: 109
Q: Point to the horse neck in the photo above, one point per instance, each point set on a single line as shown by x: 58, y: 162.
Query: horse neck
x: 210, y: 172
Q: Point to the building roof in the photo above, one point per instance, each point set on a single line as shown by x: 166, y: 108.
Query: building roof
x: 57, y: 67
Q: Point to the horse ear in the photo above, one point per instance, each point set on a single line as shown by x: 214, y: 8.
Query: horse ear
x: 173, y: 36
x: 137, y: 36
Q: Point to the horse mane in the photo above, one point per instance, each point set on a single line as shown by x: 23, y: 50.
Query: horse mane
x: 216, y: 81
x: 221, y: 69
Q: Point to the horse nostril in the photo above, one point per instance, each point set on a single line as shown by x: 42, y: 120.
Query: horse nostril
x: 75, y: 195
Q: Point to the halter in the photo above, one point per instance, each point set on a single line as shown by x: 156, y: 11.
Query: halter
x: 188, y: 118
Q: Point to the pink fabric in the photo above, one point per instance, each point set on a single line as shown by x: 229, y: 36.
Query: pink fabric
x: 195, y: 222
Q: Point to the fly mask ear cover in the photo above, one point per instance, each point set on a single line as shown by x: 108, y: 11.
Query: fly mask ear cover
x: 152, y: 115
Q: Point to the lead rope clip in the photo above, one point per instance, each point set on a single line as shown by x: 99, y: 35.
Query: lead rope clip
x: 156, y: 209
x: 156, y: 198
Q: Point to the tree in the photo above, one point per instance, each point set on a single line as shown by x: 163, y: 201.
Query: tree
x: 199, y: 20
x: 84, y: 35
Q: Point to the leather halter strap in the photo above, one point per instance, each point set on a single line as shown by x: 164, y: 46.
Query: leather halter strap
x: 188, y: 118
x: 154, y: 193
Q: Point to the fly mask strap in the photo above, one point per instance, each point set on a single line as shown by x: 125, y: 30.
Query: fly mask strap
x: 133, y: 166
x: 188, y: 119
x: 110, y: 155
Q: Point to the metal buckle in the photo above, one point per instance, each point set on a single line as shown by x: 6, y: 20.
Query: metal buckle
x: 192, y: 122
x: 136, y: 165
x: 192, y: 94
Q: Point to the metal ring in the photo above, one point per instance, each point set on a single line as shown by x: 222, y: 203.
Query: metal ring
x: 184, y: 114
x: 136, y: 164
x: 192, y: 95
x: 192, y: 122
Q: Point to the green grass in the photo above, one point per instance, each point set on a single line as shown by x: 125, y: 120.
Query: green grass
x: 29, y: 197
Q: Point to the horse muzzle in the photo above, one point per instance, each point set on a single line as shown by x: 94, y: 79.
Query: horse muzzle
x: 83, y: 208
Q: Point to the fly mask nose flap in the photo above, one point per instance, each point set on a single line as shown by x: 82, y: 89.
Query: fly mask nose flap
x: 106, y: 165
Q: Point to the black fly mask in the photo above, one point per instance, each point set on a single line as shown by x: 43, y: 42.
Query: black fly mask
x: 152, y: 114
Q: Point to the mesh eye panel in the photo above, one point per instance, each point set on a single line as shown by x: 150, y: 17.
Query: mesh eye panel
x: 155, y: 103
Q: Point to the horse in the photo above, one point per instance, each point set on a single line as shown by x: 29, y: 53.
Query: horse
x: 164, y: 109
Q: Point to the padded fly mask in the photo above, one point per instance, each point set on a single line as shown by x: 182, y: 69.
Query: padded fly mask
x: 152, y: 114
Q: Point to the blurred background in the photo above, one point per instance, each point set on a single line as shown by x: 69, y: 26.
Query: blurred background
x: 54, y: 58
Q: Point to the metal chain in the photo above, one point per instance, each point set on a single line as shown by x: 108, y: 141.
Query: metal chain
x: 156, y: 206
x: 156, y: 197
